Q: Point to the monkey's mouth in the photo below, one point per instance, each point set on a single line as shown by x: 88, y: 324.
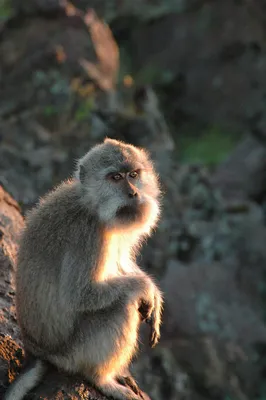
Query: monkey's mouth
x: 131, y: 212
x: 126, y: 211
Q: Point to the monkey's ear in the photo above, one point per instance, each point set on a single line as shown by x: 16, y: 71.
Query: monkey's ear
x: 82, y: 173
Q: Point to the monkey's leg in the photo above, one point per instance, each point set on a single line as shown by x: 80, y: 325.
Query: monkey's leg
x: 103, y: 347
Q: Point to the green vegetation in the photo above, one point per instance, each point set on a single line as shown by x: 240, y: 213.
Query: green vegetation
x: 125, y: 67
x: 6, y: 9
x: 71, y: 99
x: 262, y: 392
x: 152, y: 74
x: 50, y: 110
x: 210, y: 148
x: 84, y: 109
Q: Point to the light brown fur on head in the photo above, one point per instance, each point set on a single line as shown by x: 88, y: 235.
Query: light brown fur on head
x: 108, y: 197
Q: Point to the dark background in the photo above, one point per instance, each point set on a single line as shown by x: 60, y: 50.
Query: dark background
x: 206, y: 62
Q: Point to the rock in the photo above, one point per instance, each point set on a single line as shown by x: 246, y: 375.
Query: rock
x: 37, y: 7
x: 218, y: 78
x: 243, y: 175
x: 161, y: 372
x: 11, y: 222
x: 207, y: 312
x: 144, y: 126
x: 110, y: 10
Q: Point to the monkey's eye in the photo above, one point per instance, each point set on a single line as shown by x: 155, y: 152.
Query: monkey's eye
x: 117, y: 177
x: 133, y: 174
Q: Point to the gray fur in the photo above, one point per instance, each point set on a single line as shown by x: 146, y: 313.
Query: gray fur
x: 79, y: 289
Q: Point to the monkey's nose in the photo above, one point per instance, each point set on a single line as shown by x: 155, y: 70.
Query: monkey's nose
x: 132, y: 194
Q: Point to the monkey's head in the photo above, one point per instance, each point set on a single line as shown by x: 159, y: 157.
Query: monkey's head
x: 119, y: 183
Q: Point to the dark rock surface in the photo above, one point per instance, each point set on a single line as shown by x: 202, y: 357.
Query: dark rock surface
x: 208, y: 57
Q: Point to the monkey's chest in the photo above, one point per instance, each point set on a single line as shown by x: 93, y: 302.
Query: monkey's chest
x: 117, y: 261
x: 114, y: 269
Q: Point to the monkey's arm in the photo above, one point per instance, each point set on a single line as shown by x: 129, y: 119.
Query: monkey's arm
x: 155, y: 319
x: 158, y: 302
x: 78, y: 288
x: 152, y: 314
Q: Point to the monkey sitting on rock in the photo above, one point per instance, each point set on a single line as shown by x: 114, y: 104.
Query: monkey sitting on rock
x: 80, y: 296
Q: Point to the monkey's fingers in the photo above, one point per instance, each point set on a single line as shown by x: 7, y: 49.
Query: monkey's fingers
x: 155, y: 330
x: 154, y: 338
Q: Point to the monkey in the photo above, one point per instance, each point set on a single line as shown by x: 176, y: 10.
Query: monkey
x: 80, y: 295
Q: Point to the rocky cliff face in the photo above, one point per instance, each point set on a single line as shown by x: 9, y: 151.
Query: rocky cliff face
x: 207, y: 57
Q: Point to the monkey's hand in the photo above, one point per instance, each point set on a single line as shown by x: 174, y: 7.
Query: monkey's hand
x: 155, y: 329
x: 145, y: 309
x: 154, y: 320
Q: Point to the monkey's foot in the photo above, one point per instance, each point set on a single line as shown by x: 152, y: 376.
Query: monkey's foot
x: 116, y: 390
x: 130, y: 382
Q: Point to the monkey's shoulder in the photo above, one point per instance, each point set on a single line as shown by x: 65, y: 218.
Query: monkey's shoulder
x: 59, y: 214
x: 59, y: 201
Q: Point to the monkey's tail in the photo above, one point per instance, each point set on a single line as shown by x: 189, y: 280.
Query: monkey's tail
x: 26, y: 381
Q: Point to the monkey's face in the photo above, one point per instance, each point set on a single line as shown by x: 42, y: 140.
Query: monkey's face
x: 132, y: 205
x: 131, y: 200
x: 123, y: 188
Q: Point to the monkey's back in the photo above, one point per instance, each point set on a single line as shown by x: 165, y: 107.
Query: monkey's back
x: 57, y: 225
